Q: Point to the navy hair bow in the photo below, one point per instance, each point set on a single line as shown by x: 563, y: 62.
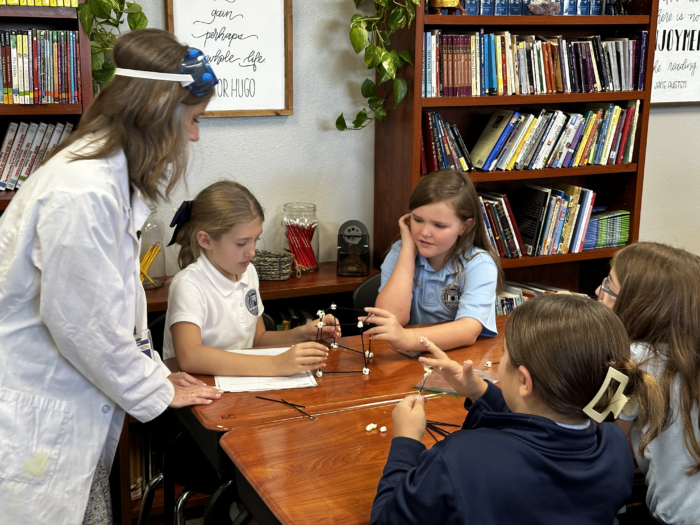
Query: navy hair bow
x: 182, y: 216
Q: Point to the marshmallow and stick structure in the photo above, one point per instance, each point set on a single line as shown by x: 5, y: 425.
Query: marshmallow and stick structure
x: 299, y: 233
x: 366, y: 354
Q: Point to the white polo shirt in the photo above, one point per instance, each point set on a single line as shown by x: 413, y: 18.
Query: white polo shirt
x: 226, y: 312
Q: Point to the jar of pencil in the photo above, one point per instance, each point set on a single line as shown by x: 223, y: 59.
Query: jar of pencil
x: 299, y: 237
x: 152, y: 255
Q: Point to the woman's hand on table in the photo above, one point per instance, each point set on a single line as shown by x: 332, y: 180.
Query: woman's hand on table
x: 387, y: 328
x: 460, y: 377
x: 190, y: 391
x: 331, y: 329
x: 299, y: 358
x: 409, y: 417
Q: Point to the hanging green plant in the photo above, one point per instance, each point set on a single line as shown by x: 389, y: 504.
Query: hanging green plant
x: 372, y: 34
x: 99, y: 19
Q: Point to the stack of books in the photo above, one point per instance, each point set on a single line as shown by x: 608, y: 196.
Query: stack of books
x: 607, y: 229
x: 501, y: 226
x: 442, y: 146
x: 514, y: 294
x: 599, y: 134
x: 40, y: 67
x: 519, y: 7
x: 24, y: 148
x: 476, y: 64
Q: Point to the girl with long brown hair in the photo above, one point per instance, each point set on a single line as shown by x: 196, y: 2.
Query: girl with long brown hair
x: 542, y: 448
x: 214, y: 301
x: 655, y: 290
x: 71, y: 302
x: 443, y: 269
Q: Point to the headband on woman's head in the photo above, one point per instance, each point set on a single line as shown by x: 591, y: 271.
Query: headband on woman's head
x: 619, y: 403
x: 182, y: 217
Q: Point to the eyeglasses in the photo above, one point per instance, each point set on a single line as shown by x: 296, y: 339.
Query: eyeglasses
x: 605, y: 288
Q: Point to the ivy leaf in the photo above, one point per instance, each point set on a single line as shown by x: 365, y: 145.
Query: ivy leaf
x: 97, y: 60
x: 383, y: 3
x: 373, y: 56
x: 360, y: 119
x: 358, y: 38
x: 111, y: 22
x: 340, y: 123
x: 120, y: 3
x: 383, y: 74
x: 85, y: 17
x: 380, y: 114
x: 375, y: 102
x: 369, y: 89
x: 417, y: 2
x: 411, y: 11
x: 355, y: 17
x: 100, y: 8
x: 132, y: 7
x: 358, y: 3
x: 397, y: 18
x: 391, y: 62
x: 103, y: 75
x: 400, y: 90
x: 137, y: 20
x: 406, y: 56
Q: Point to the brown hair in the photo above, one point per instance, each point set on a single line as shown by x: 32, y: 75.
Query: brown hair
x: 458, y: 191
x: 142, y: 117
x: 216, y: 210
x: 659, y: 305
x: 567, y: 343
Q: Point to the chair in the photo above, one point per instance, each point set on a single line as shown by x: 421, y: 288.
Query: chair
x: 270, y: 325
x: 366, y: 294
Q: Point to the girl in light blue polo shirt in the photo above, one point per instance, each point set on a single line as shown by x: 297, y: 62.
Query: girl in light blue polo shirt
x: 443, y: 269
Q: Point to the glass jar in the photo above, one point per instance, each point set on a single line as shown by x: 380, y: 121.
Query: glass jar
x: 152, y: 253
x: 299, y: 235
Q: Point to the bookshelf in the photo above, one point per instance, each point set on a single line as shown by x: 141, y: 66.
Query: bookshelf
x: 59, y: 18
x: 398, y: 139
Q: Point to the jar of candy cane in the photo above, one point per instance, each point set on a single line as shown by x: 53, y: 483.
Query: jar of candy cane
x: 152, y: 255
x: 299, y: 235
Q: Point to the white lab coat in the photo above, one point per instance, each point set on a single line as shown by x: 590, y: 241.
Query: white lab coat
x: 70, y: 299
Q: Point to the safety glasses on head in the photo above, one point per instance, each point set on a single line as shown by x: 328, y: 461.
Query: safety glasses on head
x: 195, y: 74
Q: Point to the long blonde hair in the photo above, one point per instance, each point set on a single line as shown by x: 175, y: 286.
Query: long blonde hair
x: 215, y: 210
x: 659, y: 305
x: 567, y: 343
x: 142, y: 117
x: 457, y: 190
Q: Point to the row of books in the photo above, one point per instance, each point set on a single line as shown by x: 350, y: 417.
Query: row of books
x: 606, y: 230
x: 596, y: 134
x: 519, y: 7
x: 474, y: 64
x: 442, y: 145
x: 25, y: 147
x: 514, y: 294
x: 42, y: 3
x: 40, y: 67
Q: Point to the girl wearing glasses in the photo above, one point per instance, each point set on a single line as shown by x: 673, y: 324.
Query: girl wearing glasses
x: 655, y: 290
x: 71, y: 300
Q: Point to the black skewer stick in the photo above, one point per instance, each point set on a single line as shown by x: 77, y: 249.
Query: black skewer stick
x: 344, y: 372
x: 429, y: 432
x: 438, y: 430
x: 292, y: 405
x: 420, y: 392
x: 442, y: 424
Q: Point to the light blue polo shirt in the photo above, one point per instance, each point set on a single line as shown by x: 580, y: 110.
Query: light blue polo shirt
x: 438, y: 297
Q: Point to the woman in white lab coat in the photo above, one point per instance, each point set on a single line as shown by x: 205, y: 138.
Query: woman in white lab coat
x: 71, y: 301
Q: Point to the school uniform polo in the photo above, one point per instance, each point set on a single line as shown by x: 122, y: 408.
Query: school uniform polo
x: 447, y: 295
x: 226, y: 312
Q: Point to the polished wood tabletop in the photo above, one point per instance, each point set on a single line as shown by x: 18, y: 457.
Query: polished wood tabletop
x: 392, y: 374
x: 324, y: 281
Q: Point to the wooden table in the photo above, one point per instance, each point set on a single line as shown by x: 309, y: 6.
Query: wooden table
x: 294, y: 470
x: 324, y: 281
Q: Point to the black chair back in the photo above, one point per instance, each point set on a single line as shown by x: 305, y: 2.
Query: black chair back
x: 366, y: 294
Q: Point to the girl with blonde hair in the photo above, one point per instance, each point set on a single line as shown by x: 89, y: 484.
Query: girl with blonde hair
x: 71, y: 304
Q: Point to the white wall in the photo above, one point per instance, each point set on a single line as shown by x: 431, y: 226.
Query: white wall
x: 303, y: 157
x: 671, y: 197
x: 297, y: 158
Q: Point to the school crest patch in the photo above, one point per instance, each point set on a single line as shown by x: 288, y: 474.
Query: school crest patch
x: 450, y: 296
x: 251, y: 302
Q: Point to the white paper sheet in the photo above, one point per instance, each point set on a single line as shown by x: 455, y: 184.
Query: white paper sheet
x: 260, y: 384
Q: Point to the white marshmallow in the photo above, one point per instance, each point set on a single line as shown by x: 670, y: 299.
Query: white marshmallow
x: 359, y: 324
x: 319, y: 373
x: 370, y: 427
x: 365, y: 371
x: 488, y: 364
x: 333, y: 306
x: 334, y: 345
x: 320, y: 324
x: 320, y: 314
x: 382, y: 430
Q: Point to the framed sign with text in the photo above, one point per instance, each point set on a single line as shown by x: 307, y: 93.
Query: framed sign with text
x: 676, y: 80
x: 249, y: 46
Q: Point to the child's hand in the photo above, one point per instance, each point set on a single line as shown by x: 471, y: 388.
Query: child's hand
x: 460, y: 377
x: 407, y: 242
x: 299, y: 358
x: 409, y: 417
x: 388, y: 329
x: 309, y: 331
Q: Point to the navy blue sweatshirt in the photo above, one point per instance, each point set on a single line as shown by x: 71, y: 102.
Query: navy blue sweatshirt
x: 506, y: 468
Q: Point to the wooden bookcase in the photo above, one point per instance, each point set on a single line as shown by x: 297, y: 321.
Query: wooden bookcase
x: 398, y: 139
x: 59, y: 18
